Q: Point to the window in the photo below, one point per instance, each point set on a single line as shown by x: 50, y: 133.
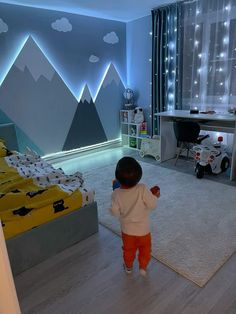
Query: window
x: 208, y: 54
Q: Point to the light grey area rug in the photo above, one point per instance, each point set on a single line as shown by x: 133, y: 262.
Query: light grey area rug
x: 194, y: 225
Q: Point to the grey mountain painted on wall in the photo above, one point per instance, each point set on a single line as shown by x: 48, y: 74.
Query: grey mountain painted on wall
x: 86, y: 128
x: 23, y: 140
x: 45, y: 112
x: 37, y: 100
x: 109, y: 102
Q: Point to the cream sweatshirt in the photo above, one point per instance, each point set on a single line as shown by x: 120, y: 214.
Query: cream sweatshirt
x: 132, y: 207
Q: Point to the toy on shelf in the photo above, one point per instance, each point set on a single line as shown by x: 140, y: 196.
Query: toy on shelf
x: 129, y: 99
x: 133, y: 142
x: 143, y: 129
x: 211, y: 159
x: 133, y: 130
x: 138, y: 115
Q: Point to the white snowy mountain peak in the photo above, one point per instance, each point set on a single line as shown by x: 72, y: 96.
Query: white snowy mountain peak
x: 34, y: 60
x: 86, y: 95
x: 112, y: 75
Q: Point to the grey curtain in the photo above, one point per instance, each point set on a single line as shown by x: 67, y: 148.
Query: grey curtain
x: 165, y: 61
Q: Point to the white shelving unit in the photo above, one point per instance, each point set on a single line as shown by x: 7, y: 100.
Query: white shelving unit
x: 130, y: 131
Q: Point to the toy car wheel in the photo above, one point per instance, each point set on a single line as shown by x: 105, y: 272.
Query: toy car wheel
x: 141, y: 154
x: 157, y: 157
x: 208, y: 169
x: 224, y: 164
x: 199, y: 171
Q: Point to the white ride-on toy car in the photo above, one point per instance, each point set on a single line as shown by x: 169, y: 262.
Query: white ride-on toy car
x: 210, y: 159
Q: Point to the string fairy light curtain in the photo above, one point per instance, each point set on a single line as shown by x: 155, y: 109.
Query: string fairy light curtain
x: 201, y: 67
x: 209, y: 54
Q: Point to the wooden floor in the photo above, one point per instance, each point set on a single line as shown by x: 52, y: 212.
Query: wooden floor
x: 88, y: 278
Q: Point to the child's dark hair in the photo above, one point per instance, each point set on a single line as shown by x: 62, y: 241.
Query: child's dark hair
x: 128, y: 171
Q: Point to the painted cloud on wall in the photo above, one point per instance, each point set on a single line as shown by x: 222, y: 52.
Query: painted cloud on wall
x: 111, y: 38
x: 93, y: 59
x: 3, y: 26
x: 62, y: 25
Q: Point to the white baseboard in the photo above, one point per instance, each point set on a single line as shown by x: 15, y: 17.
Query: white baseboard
x: 65, y: 155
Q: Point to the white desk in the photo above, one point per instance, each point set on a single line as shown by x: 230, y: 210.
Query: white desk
x: 212, y: 122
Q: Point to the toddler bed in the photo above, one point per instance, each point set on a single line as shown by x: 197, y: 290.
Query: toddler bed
x: 42, y: 210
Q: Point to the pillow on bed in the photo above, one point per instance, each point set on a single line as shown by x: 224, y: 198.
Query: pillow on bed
x: 31, y: 152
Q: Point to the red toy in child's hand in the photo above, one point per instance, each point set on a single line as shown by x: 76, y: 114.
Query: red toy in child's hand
x: 155, y: 189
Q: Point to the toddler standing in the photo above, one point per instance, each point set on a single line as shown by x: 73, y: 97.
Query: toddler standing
x: 132, y: 203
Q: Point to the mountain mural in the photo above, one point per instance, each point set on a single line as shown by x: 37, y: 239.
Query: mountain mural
x: 86, y: 128
x: 37, y: 100
x: 47, y: 116
x: 23, y: 140
x: 109, y: 102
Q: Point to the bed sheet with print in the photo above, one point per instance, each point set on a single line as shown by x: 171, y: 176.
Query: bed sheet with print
x: 33, y: 192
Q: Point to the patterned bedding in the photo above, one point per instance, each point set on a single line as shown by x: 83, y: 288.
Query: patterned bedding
x: 33, y: 192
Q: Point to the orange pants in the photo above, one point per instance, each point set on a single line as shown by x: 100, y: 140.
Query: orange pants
x: 133, y: 243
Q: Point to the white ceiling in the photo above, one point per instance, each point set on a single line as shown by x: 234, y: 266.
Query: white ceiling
x: 120, y: 10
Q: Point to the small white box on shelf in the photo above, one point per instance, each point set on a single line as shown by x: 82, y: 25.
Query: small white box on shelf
x: 126, y: 116
x: 134, y: 129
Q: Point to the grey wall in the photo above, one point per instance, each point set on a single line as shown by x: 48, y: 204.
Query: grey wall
x: 139, y: 53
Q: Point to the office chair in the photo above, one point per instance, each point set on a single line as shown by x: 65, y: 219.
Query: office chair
x: 187, y: 134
